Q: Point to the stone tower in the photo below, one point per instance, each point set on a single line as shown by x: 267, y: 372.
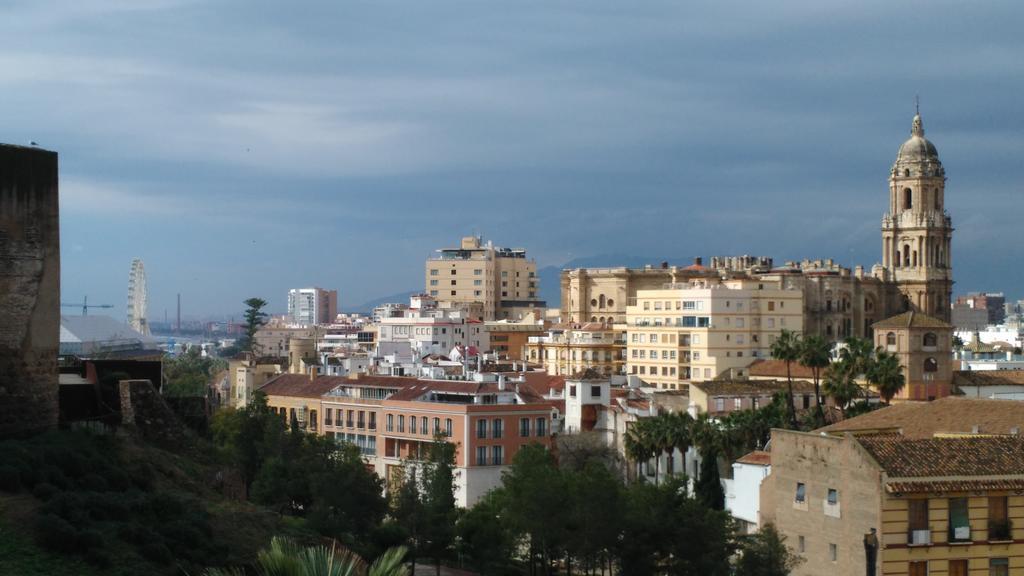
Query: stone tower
x: 916, y: 232
x: 29, y: 290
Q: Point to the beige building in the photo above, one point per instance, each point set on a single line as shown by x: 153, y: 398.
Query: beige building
x: 701, y: 329
x: 272, y: 341
x: 931, y: 488
x: 502, y: 279
x: 569, y: 349
x: 924, y: 346
x: 915, y: 273
x: 246, y: 374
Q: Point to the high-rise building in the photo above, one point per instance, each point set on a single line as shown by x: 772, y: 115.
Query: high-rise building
x: 137, y: 297
x: 503, y: 280
x: 994, y: 305
x: 312, y: 306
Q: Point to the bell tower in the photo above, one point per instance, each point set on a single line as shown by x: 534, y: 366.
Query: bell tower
x: 917, y: 232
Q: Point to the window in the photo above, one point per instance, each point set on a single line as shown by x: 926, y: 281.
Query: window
x: 931, y: 365
x: 919, y: 568
x: 719, y: 404
x: 391, y: 423
x: 437, y: 425
x: 433, y: 282
x: 433, y: 272
x: 481, y: 456
x: 918, y: 531
x: 801, y: 544
x: 801, y: 492
x: 737, y: 403
x: 908, y: 199
x: 423, y: 425
x: 481, y: 428
x: 373, y: 421
x: 957, y: 568
x: 524, y: 427
x: 959, y: 521
x: 361, y: 419
x: 833, y: 552
x: 999, y: 567
x: 412, y: 424
x: 890, y: 339
x: 595, y: 391
x: 448, y: 427
x: 497, y: 427
x: 497, y: 455
x: 572, y: 391
x: 327, y: 417
x: 401, y: 423
x: 833, y: 497
x: 998, y: 520
x: 542, y: 426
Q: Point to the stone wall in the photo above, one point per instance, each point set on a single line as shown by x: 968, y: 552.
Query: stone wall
x: 144, y: 408
x: 29, y: 290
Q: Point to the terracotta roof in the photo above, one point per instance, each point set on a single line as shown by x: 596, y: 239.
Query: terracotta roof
x: 911, y: 320
x: 757, y: 458
x: 953, y: 414
x: 988, y: 378
x: 954, y: 464
x: 587, y: 375
x: 777, y: 369
x: 301, y: 385
x: 751, y: 387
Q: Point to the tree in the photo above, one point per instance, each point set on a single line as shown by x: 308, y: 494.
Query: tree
x: 887, y: 375
x: 439, y: 510
x: 815, y: 353
x: 254, y: 318
x: 766, y: 554
x: 407, y: 510
x: 536, y: 503
x: 639, y: 445
x: 840, y: 384
x: 594, y: 516
x: 286, y: 558
x: 485, y: 538
x: 709, y: 490
x: 858, y: 354
x: 787, y: 348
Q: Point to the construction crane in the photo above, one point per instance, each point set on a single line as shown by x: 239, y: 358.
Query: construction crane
x: 85, y: 306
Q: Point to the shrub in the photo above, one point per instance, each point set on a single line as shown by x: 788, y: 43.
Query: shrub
x: 57, y: 534
x: 10, y: 479
x: 44, y: 491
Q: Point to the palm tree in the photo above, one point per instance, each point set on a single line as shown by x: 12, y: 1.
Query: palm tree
x: 678, y: 436
x: 840, y: 383
x: 858, y: 354
x: 638, y: 444
x: 887, y: 375
x: 284, y: 557
x: 815, y: 353
x: 787, y: 348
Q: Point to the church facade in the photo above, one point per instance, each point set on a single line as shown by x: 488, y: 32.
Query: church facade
x: 915, y: 273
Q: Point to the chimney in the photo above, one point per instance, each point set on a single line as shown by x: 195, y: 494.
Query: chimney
x: 698, y: 261
x: 312, y: 373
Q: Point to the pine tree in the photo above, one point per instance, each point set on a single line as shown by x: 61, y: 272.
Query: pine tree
x: 709, y: 485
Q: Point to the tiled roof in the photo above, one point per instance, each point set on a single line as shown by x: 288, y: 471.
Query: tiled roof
x: 911, y: 320
x: 952, y: 414
x: 777, y: 369
x: 751, y: 387
x: 952, y: 463
x: 757, y: 458
x: 988, y: 378
x: 301, y: 385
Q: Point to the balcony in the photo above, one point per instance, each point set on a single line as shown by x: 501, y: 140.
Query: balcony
x: 959, y: 534
x: 1000, y: 530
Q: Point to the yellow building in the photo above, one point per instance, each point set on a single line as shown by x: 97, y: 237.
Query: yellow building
x: 700, y: 329
x: 919, y: 488
x: 571, y: 348
x: 502, y: 279
x: 924, y: 346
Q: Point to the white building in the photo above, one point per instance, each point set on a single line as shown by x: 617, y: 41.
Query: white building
x: 743, y: 490
x: 312, y: 306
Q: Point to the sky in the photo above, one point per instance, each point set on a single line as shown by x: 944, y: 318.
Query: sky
x: 241, y: 148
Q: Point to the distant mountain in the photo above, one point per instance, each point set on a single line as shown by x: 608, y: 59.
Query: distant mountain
x: 400, y: 298
x: 551, y: 276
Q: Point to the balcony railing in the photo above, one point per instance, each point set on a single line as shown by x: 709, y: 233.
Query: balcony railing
x: 1000, y: 530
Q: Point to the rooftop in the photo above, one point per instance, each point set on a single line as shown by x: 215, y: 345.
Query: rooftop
x: 301, y: 385
x: 950, y: 415
x: 750, y: 387
x: 948, y: 464
x: 911, y: 320
x: 756, y: 458
x: 777, y: 369
x: 988, y: 378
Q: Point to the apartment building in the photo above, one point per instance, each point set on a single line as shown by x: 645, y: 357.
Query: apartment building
x: 720, y: 397
x: 393, y: 420
x: 912, y: 489
x: 272, y: 341
x: 423, y: 331
x: 503, y: 280
x: 701, y: 329
x: 246, y: 374
x: 567, y: 349
x: 509, y: 338
x: 312, y: 306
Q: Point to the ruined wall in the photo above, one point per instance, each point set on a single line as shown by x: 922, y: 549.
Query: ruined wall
x: 29, y: 289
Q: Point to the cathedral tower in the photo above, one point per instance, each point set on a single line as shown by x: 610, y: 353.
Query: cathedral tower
x: 916, y: 232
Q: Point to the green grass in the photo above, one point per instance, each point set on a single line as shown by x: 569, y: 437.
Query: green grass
x: 20, y: 555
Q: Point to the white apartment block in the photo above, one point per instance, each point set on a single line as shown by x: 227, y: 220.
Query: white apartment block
x: 698, y: 330
x: 312, y: 306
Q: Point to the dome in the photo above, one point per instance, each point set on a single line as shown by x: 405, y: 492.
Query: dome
x: 917, y: 153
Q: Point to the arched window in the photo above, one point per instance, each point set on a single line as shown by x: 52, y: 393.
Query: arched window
x: 601, y: 301
x: 938, y: 204
x: 930, y: 339
x: 611, y: 302
x: 593, y: 318
x: 914, y: 258
x: 906, y: 255
x: 601, y: 319
x: 906, y: 171
x: 930, y: 365
x: 890, y: 339
x: 908, y: 199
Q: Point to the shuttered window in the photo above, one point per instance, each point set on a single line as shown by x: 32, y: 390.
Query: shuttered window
x: 918, y: 569
x: 917, y: 514
x: 958, y: 568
